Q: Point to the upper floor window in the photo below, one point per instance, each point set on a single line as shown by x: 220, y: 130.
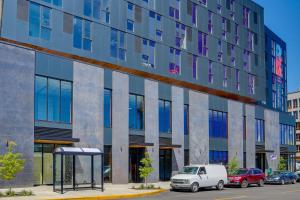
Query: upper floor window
x: 134, y: 14
x: 165, y: 116
x: 232, y: 55
x: 155, y: 26
x: 246, y: 59
x: 174, y: 61
x: 210, y: 22
x: 192, y: 11
x: 186, y: 119
x: 287, y: 134
x: 210, y: 72
x: 39, y: 21
x: 230, y: 7
x: 220, y: 51
x: 118, y: 44
x: 226, y: 71
x: 237, y: 79
x: 195, y: 66
x: 295, y: 103
x: 148, y: 53
x: 136, y: 112
x: 219, y: 6
x: 180, y: 39
x: 246, y: 13
x: 107, y: 108
x: 57, y: 3
x: 53, y: 100
x: 255, y: 18
x: 174, y: 9
x: 203, y: 2
x: 251, y: 84
x: 82, y: 34
x: 250, y: 41
x: 295, y: 114
x: 98, y: 9
x: 202, y: 43
x: 236, y: 31
x: 259, y: 130
x: 289, y: 104
x: 218, y: 124
x: 149, y: 3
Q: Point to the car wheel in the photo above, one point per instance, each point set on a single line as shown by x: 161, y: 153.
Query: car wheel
x: 220, y: 185
x: 282, y: 182
x: 194, y: 187
x: 294, y: 181
x: 261, y: 183
x: 244, y: 184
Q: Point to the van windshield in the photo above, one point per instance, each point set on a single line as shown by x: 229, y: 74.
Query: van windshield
x: 189, y: 170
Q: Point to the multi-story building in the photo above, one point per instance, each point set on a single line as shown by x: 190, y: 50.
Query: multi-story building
x: 294, y: 110
x: 181, y: 79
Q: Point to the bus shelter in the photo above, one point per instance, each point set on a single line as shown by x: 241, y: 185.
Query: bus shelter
x: 63, y: 171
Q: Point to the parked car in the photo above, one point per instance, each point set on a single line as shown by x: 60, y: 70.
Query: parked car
x: 245, y: 177
x: 194, y: 177
x: 282, y: 177
x: 298, y: 170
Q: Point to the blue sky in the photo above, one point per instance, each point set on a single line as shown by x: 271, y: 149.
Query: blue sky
x: 283, y: 17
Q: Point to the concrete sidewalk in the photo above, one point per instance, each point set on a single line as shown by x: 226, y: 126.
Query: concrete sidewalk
x: 110, y: 192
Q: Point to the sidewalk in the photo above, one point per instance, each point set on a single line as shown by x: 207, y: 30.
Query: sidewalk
x: 110, y: 192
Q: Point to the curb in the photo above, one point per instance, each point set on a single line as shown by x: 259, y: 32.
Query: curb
x: 114, y: 196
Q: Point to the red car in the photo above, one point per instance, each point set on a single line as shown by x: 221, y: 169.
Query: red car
x: 246, y: 177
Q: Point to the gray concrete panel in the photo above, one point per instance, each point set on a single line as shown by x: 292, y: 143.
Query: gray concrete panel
x: 120, y: 130
x: 88, y: 99
x: 177, y: 128
x: 250, y: 135
x: 199, y: 129
x: 152, y: 126
x: 272, y: 138
x: 17, y: 107
x: 235, y: 131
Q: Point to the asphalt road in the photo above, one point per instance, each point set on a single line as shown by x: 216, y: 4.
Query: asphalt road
x: 268, y: 192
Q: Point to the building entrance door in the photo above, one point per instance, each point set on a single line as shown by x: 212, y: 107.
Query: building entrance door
x: 135, y: 157
x: 165, y: 164
x: 261, y: 161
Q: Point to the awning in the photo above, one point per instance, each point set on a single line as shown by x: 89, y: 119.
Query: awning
x: 53, y: 135
x: 77, y: 151
x: 261, y: 149
x: 166, y: 143
x: 138, y: 141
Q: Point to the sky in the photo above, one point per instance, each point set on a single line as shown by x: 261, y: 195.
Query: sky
x: 283, y: 18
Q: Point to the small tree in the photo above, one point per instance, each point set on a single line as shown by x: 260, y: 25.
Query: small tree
x: 11, y: 163
x: 281, y: 165
x: 233, y: 165
x: 146, y: 169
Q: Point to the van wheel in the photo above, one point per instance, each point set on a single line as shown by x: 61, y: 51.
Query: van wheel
x: 194, y: 187
x: 244, y: 184
x: 220, y: 185
x: 261, y: 183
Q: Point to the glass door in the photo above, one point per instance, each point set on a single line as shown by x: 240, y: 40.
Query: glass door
x: 165, y: 164
x: 135, y: 157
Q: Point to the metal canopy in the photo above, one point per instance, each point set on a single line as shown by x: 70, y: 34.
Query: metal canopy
x: 78, y: 151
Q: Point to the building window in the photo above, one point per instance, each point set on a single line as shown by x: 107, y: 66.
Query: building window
x: 107, y: 108
x: 231, y: 8
x: 202, y: 43
x: 255, y: 17
x: 149, y: 3
x: 236, y: 34
x: 210, y: 72
x: 218, y: 157
x: 210, y: 22
x: 219, y: 6
x: 295, y: 114
x: 232, y: 55
x: 246, y: 59
x: 195, y: 66
x: 174, y: 9
x: 295, y: 103
x: 250, y: 41
x: 53, y: 100
x: 118, y: 44
x: 130, y: 17
x: 224, y: 22
x: 136, y: 112
x: 259, y: 130
x: 246, y: 13
x: 148, y: 53
x: 289, y: 104
x: 174, y: 61
x: 165, y: 116
x: 186, y: 119
x: 155, y: 26
x: 220, y: 51
x: 192, y: 11
x: 180, y: 39
x: 251, y: 84
x: 98, y: 9
x: 237, y: 79
x: 39, y: 21
x: 287, y: 134
x: 226, y: 71
x: 203, y: 2
x: 218, y: 124
x: 57, y: 3
x: 82, y: 34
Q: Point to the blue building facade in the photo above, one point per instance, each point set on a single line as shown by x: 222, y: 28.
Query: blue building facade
x: 183, y: 80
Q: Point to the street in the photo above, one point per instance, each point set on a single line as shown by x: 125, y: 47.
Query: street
x: 268, y: 192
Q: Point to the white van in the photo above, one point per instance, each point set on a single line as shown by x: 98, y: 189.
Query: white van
x: 193, y: 177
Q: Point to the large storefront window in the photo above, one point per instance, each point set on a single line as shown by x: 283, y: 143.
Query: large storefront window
x: 53, y: 100
x: 217, y: 124
x: 259, y: 130
x: 287, y: 134
x: 218, y: 157
x: 165, y: 116
x: 136, y: 112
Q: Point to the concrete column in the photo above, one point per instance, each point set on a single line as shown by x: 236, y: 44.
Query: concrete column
x: 177, y: 128
x: 272, y: 137
x: 199, y: 129
x: 151, y: 126
x: 88, y: 88
x: 235, y: 131
x: 250, y: 135
x: 17, y: 67
x: 120, y: 129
